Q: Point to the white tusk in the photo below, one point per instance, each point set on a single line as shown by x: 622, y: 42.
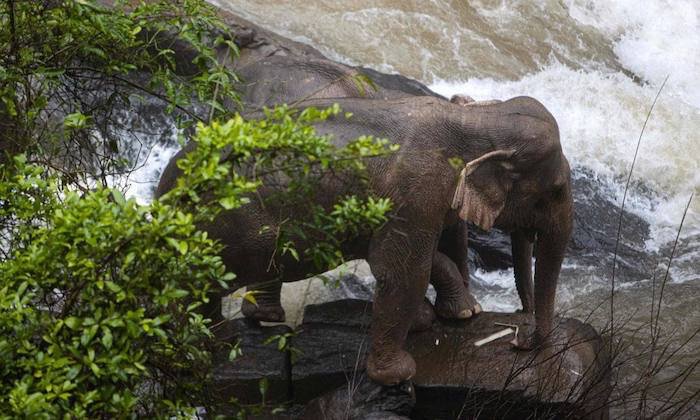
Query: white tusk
x: 494, y: 336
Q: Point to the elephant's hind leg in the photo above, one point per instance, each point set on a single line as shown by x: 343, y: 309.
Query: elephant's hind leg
x: 267, y: 306
x: 453, y: 298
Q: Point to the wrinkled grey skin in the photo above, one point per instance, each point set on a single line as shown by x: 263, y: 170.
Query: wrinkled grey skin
x: 283, y: 79
x: 524, y: 189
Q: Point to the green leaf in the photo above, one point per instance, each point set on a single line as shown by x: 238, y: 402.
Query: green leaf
x: 228, y: 203
x: 180, y: 246
x: 118, y: 198
x: 106, y: 338
x: 72, y: 322
x: 75, y: 120
x: 263, y: 386
x: 250, y: 297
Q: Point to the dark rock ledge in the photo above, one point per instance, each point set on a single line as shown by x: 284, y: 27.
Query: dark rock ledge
x: 455, y: 379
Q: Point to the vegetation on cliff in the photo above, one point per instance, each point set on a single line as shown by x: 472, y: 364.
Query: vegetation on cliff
x: 99, y: 294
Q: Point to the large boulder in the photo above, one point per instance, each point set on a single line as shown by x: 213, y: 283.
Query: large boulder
x: 456, y: 379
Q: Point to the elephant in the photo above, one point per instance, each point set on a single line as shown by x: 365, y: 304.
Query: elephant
x: 466, y: 100
x: 285, y: 79
x: 516, y: 178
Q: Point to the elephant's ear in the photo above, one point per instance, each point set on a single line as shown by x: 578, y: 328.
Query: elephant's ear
x: 480, y: 196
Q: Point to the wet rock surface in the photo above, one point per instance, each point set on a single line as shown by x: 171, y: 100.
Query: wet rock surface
x: 456, y: 379
x: 596, y: 222
x: 240, y: 378
x: 332, y: 344
x: 325, y: 369
x: 363, y: 399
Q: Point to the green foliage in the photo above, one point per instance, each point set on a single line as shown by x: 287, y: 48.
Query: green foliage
x: 76, y: 62
x: 97, y: 307
x: 99, y: 295
x: 300, y: 168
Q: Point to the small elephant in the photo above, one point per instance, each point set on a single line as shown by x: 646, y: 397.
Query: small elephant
x: 516, y: 178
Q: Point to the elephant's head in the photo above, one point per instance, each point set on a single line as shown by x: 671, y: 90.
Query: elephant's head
x: 523, y: 181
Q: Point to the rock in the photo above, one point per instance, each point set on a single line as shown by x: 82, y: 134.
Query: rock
x: 596, y: 220
x: 332, y: 345
x: 352, y: 313
x: 256, y: 43
x: 363, y: 399
x: 454, y: 378
x: 489, y: 251
x: 240, y: 378
x: 353, y: 280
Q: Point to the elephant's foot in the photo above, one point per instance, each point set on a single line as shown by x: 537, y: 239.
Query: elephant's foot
x: 391, y: 368
x: 458, y: 307
x: 263, y: 311
x: 528, y: 339
x: 424, y: 317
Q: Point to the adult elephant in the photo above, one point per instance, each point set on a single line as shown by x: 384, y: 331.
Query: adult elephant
x: 516, y: 178
x: 286, y: 79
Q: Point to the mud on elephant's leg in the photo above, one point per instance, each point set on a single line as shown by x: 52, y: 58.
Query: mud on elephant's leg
x: 267, y: 306
x: 453, y: 298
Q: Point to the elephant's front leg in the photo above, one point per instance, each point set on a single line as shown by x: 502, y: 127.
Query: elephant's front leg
x: 549, y: 255
x: 400, y: 258
x: 548, y: 259
x: 522, y: 267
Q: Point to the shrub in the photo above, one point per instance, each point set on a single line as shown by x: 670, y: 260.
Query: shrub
x: 98, y: 294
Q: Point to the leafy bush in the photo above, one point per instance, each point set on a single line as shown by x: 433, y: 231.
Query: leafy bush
x: 97, y: 305
x: 98, y: 294
x: 72, y: 71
